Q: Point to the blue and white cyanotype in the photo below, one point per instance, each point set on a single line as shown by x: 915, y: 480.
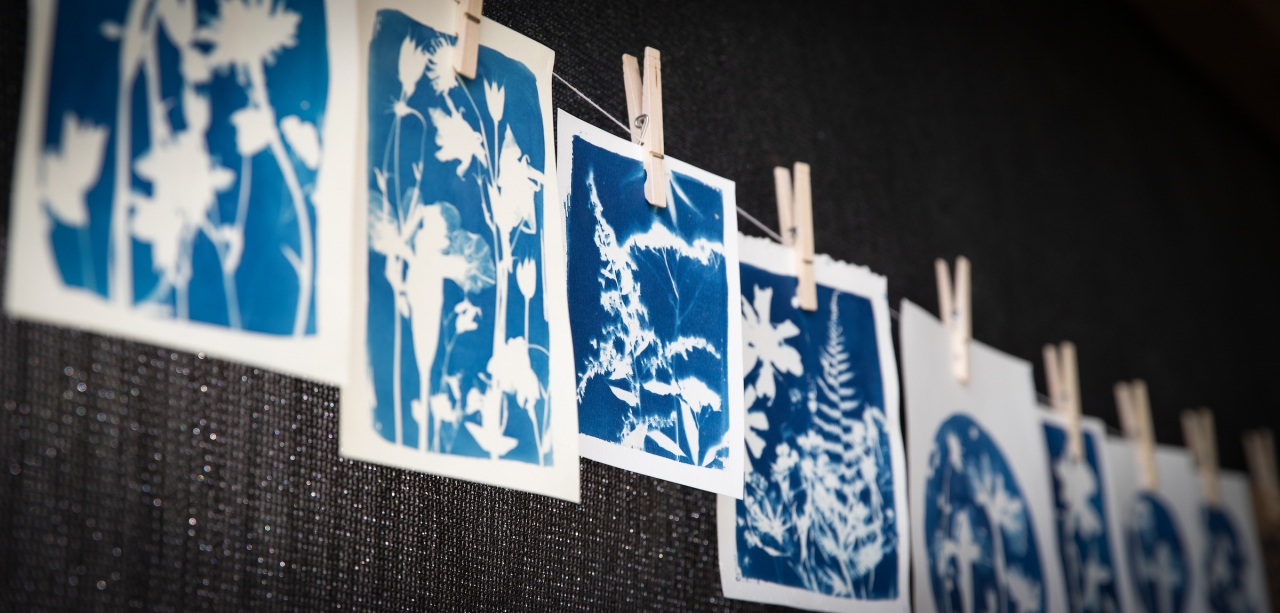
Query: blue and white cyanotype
x: 656, y: 323
x: 1158, y: 563
x: 183, y: 165
x: 1233, y: 563
x: 821, y: 524
x: 1084, y: 537
x: 466, y: 367
x: 982, y: 518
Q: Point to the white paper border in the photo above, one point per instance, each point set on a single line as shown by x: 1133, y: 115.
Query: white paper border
x: 357, y: 439
x: 31, y: 294
x: 728, y: 480
x: 859, y: 281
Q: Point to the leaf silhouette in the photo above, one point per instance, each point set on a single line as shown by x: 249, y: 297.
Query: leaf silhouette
x: 665, y: 442
x: 72, y: 169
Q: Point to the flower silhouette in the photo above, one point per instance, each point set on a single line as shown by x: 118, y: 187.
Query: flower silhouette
x: 247, y: 32
x: 495, y: 98
x: 765, y: 344
x: 412, y: 66
x: 527, y: 278
x: 70, y: 171
x: 457, y: 141
x: 440, y: 67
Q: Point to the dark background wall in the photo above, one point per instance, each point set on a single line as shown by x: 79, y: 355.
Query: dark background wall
x: 1105, y: 192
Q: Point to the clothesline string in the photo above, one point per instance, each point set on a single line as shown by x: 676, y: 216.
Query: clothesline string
x: 756, y: 222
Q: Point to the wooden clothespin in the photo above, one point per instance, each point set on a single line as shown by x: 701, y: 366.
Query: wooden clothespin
x: 1135, y: 419
x: 1201, y: 438
x: 466, y: 53
x: 954, y: 308
x: 1064, y: 391
x: 1260, y: 452
x: 644, y: 110
x: 795, y: 216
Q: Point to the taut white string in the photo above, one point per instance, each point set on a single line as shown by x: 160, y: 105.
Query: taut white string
x: 756, y: 222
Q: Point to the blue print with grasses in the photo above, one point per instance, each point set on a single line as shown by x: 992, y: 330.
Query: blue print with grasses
x: 817, y: 510
x: 1083, y: 537
x: 648, y: 309
x: 983, y: 555
x: 181, y: 152
x: 457, y: 333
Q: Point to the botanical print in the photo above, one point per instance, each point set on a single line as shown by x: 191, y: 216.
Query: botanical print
x: 1157, y: 559
x: 984, y: 535
x: 1226, y: 565
x: 654, y: 339
x: 820, y: 510
x: 179, y: 166
x: 1083, y: 537
x: 458, y: 332
x: 983, y: 556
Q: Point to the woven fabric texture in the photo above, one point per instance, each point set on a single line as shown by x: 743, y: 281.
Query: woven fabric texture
x: 1103, y: 190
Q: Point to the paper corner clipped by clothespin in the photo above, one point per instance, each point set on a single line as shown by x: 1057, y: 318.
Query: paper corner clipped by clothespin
x: 466, y: 53
x: 644, y: 114
x: 955, y: 309
x: 1061, y: 373
x: 1260, y: 452
x: 795, y: 221
x: 1134, y: 408
x: 1201, y: 437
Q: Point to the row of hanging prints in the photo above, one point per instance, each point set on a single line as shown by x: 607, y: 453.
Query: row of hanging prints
x: 198, y: 177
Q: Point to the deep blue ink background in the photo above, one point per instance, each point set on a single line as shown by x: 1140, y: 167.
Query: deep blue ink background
x: 440, y: 183
x: 789, y: 419
x: 84, y: 75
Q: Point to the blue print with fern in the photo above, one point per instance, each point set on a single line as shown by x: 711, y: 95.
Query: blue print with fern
x: 650, y: 327
x: 1083, y: 537
x: 181, y: 152
x: 1226, y: 565
x: 1158, y: 564
x: 983, y: 555
x: 817, y: 511
x: 457, y: 333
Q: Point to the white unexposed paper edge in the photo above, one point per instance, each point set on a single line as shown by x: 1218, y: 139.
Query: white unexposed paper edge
x: 32, y: 294
x: 357, y: 439
x: 728, y: 480
x: 858, y: 281
x: 926, y: 342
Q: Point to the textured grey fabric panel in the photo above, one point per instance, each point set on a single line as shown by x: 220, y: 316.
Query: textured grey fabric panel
x: 1104, y: 192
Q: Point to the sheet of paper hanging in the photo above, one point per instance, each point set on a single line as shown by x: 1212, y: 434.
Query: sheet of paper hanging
x: 1237, y: 579
x: 1087, y: 540
x: 824, y: 443
x: 184, y: 180
x: 1160, y: 531
x: 657, y: 337
x: 461, y: 361
x: 983, y: 533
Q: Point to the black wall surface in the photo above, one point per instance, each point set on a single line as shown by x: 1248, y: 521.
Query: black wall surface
x: 1105, y: 193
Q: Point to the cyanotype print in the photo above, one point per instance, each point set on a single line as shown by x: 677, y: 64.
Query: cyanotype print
x: 818, y: 511
x: 457, y: 336
x: 177, y: 177
x: 1157, y: 559
x: 982, y: 551
x: 650, y: 317
x: 1226, y: 565
x: 1083, y: 536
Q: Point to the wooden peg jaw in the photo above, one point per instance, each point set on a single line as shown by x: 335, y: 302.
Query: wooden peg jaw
x: 466, y: 53
x: 786, y: 222
x: 806, y: 284
x: 1260, y: 451
x: 954, y: 309
x: 1064, y: 391
x: 1199, y: 433
x: 644, y: 99
x: 1135, y: 418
